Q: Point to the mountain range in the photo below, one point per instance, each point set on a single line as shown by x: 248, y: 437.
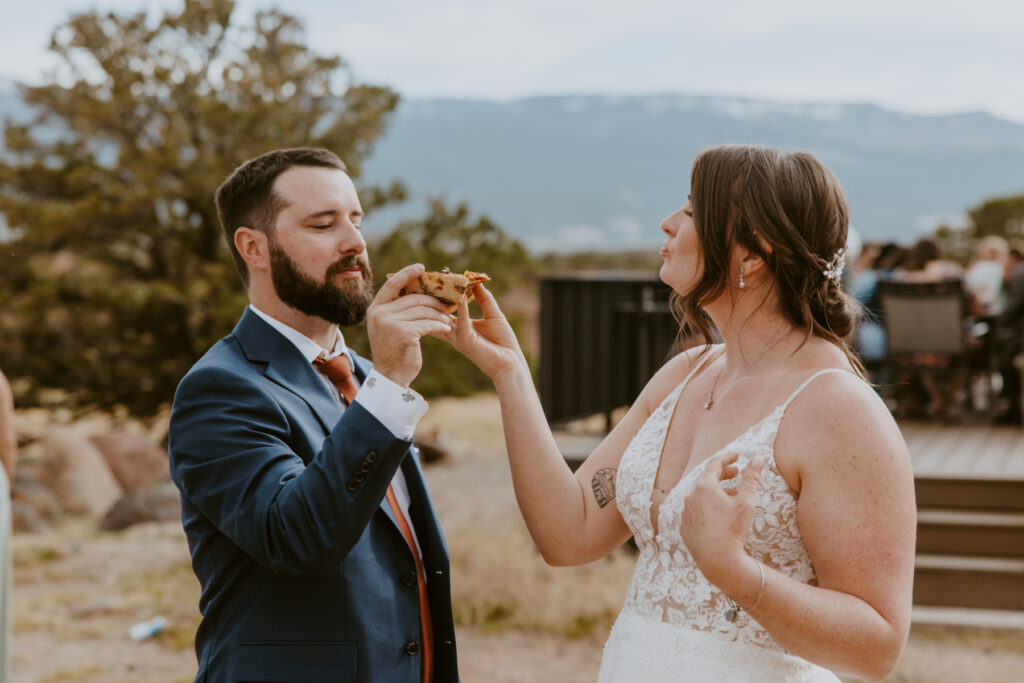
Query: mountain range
x: 598, y: 172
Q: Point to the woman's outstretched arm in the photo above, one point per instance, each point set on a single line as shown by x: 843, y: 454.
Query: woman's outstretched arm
x: 572, y: 518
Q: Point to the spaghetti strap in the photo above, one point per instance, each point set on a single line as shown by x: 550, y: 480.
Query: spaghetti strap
x: 700, y: 363
x: 807, y: 381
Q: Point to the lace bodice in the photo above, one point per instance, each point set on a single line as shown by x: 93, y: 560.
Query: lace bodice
x: 667, y: 585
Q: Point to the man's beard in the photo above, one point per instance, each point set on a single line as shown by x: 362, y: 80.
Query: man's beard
x: 341, y: 306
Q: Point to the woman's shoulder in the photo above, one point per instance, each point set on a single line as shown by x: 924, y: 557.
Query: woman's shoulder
x: 837, y: 403
x: 837, y: 421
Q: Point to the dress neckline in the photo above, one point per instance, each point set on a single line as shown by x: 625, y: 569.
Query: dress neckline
x: 776, y: 412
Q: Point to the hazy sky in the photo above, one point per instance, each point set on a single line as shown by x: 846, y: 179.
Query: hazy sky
x: 921, y: 57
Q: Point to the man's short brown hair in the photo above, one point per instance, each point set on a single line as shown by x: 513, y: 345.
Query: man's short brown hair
x: 247, y: 197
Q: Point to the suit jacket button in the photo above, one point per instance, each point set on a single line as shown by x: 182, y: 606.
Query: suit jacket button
x: 409, y: 579
x: 371, y: 456
x: 412, y: 647
x: 352, y: 486
x: 365, y: 467
x: 359, y: 476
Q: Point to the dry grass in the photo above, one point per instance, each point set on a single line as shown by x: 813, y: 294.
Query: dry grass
x: 500, y: 579
x: 78, y: 591
x: 502, y: 582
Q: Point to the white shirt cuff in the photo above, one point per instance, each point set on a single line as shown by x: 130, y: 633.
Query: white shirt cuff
x: 398, y: 408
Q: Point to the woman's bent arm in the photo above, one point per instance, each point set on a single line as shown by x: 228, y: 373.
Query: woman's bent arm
x: 841, y: 450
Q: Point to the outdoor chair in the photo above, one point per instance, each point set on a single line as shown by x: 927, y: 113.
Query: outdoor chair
x: 927, y: 344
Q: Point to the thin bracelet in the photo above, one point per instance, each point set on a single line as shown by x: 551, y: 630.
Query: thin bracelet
x: 759, y: 595
x: 733, y: 612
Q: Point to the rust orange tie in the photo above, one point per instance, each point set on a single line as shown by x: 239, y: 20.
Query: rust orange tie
x: 426, y: 628
x: 339, y: 371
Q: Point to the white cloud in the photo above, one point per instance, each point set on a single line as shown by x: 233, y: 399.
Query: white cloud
x: 568, y: 238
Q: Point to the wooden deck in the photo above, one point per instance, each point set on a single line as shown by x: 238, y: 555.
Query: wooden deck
x: 936, y: 450
x: 969, y: 451
x: 969, y: 486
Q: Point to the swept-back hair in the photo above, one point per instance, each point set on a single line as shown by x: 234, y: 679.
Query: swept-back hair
x: 787, y: 208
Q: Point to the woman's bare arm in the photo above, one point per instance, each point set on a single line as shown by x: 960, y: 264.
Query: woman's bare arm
x: 572, y: 518
x: 8, y: 436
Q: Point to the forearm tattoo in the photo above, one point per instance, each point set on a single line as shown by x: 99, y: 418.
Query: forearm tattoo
x: 603, y: 484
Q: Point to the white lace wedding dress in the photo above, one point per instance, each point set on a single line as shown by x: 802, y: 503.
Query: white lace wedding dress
x: 673, y: 626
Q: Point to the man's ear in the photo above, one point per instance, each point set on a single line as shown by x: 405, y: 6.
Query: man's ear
x: 253, y: 247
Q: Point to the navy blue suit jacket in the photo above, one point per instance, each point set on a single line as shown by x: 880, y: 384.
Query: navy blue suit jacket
x: 305, y: 574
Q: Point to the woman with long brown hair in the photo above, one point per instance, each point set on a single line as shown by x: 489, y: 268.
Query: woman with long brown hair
x: 767, y: 487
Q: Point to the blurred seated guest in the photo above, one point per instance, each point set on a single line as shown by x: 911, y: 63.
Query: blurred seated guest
x: 926, y: 263
x: 8, y: 453
x: 1014, y: 259
x: 983, y: 279
x: 870, y: 334
x: 861, y: 272
x: 1010, y: 330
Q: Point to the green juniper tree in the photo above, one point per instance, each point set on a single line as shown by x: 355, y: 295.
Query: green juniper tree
x: 118, y: 278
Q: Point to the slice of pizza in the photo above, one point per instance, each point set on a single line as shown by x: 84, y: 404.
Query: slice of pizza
x: 448, y: 287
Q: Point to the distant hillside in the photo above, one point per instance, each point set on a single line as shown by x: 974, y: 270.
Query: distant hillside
x: 569, y: 173
x: 598, y: 172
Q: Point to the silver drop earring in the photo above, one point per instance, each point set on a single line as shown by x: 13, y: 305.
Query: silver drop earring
x: 741, y: 279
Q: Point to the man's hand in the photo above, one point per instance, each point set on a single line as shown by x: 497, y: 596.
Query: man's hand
x: 395, y: 324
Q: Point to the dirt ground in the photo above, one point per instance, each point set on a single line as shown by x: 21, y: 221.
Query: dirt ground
x: 78, y: 592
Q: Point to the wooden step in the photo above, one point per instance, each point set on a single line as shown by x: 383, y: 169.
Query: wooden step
x: 1002, y: 494
x: 958, y: 581
x: 962, y: 532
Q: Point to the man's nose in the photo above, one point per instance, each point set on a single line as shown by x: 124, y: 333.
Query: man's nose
x: 352, y: 241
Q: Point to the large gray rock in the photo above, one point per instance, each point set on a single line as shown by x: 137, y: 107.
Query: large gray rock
x: 77, y: 473
x: 159, y: 503
x: 33, y: 506
x: 433, y: 447
x: 134, y: 460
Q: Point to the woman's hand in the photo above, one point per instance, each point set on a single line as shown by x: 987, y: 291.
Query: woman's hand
x: 715, y: 520
x: 489, y: 342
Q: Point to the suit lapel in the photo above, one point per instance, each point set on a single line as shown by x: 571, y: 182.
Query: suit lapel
x: 286, y: 366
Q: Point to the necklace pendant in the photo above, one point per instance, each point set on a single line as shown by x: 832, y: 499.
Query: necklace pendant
x: 710, y: 402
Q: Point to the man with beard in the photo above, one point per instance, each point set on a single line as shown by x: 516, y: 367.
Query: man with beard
x: 311, y: 530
